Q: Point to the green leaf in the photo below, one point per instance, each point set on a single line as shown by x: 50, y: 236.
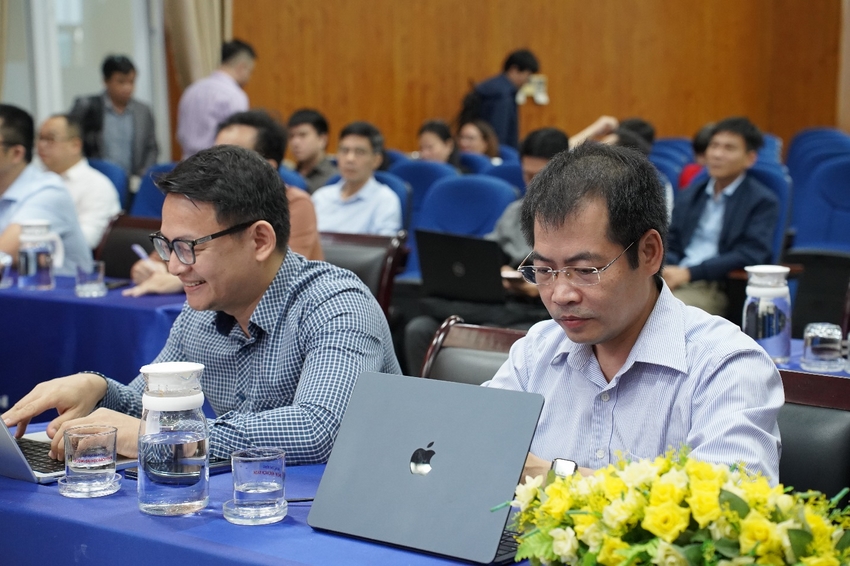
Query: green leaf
x: 536, y: 545
x: 800, y: 541
x: 588, y: 559
x: 843, y: 542
x: 735, y: 503
x: 692, y: 553
x: 727, y: 547
x: 701, y: 535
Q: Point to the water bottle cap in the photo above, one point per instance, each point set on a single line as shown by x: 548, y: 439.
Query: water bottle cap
x: 767, y: 275
x: 172, y: 378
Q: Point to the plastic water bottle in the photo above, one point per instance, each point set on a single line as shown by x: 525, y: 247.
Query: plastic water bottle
x: 173, y: 476
x: 39, y: 251
x: 767, y: 310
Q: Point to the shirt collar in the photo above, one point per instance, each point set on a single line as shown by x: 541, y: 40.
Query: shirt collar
x: 267, y: 312
x: 74, y: 172
x: 728, y: 191
x: 660, y: 342
x: 107, y: 103
x: 364, y: 193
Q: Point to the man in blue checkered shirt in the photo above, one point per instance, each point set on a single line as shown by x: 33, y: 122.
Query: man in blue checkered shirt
x: 282, y: 339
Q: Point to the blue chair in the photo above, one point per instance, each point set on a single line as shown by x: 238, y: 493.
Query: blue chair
x: 671, y: 154
x: 510, y: 172
x: 475, y: 162
x: 420, y: 175
x: 809, y: 137
x: 148, y: 201
x: 395, y: 156
x: 292, y: 178
x: 468, y: 205
x: 118, y: 177
x: 806, y: 162
x: 823, y: 217
x: 668, y: 167
x: 772, y: 149
x: 399, y: 187
x: 508, y: 154
x: 683, y: 146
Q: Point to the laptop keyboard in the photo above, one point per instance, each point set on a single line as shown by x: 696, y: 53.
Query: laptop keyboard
x: 36, y: 454
x: 507, y: 548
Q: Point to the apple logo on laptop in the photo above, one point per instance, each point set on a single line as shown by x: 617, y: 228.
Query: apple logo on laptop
x: 420, y: 462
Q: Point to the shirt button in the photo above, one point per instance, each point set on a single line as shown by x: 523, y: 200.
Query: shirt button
x: 605, y: 396
x: 600, y: 453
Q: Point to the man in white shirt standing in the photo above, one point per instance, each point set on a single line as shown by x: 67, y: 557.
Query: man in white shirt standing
x: 209, y: 101
x: 357, y: 203
x: 60, y: 148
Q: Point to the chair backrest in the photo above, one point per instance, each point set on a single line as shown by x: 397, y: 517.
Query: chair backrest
x: 148, y: 200
x: 420, y: 175
x: 772, y: 149
x: 467, y: 353
x: 475, y: 162
x: 292, y: 178
x: 670, y: 168
x: 118, y: 177
x: 822, y: 214
x: 681, y: 145
x: 510, y: 172
x: 508, y: 154
x: 775, y: 178
x: 469, y: 205
x: 814, y: 425
x: 124, y: 231
x: 394, y: 156
x: 374, y: 259
x: 821, y: 287
x: 808, y: 138
x: 671, y: 153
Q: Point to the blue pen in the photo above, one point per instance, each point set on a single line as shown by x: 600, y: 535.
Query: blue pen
x: 140, y: 251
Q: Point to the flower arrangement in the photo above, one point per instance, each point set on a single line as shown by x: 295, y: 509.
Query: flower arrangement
x: 677, y: 511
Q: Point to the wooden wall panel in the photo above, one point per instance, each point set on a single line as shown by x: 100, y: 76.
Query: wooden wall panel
x: 678, y: 63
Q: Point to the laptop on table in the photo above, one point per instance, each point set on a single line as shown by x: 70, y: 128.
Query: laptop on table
x: 26, y: 458
x: 461, y: 268
x: 420, y: 463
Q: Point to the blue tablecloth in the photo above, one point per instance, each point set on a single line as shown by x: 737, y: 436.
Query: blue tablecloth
x: 39, y: 526
x: 47, y: 334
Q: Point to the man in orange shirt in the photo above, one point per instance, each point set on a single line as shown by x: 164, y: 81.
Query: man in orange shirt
x: 256, y: 130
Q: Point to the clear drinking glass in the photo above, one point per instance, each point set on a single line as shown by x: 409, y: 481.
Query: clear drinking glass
x: 822, y: 348
x: 90, y: 462
x: 258, y: 487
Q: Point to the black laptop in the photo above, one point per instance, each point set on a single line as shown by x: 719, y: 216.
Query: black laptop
x: 461, y: 268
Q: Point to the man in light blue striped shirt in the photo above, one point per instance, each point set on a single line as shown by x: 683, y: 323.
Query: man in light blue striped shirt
x: 626, y: 368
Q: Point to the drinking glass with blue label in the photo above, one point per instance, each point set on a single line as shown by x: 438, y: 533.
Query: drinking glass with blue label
x: 258, y: 487
x: 39, y: 251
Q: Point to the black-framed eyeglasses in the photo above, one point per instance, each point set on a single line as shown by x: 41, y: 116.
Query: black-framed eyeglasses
x: 185, y: 249
x: 582, y: 276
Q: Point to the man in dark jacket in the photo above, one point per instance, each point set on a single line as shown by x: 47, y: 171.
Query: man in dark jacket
x: 116, y: 126
x: 497, y: 96
x: 722, y: 224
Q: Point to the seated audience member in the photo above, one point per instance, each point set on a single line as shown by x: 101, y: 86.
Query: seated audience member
x: 60, y: 149
x: 700, y: 144
x: 28, y: 193
x: 308, y: 140
x: 116, y: 126
x: 523, y: 309
x: 627, y: 369
x: 722, y: 224
x: 258, y: 131
x: 436, y: 144
x: 478, y: 136
x: 357, y: 203
x: 209, y: 101
x: 282, y: 339
x: 641, y: 127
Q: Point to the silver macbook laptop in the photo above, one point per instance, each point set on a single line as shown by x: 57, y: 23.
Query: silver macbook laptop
x: 421, y: 463
x: 26, y: 459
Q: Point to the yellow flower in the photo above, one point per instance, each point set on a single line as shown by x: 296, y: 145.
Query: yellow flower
x: 564, y: 544
x: 704, y: 502
x: 827, y: 560
x: 662, y: 492
x: 613, y: 486
x: 705, y: 471
x: 677, y: 477
x: 756, y: 492
x: 558, y: 499
x: 666, y: 521
x: 623, y: 513
x: 526, y: 492
x: 639, y: 473
x: 821, y: 532
x: 759, y: 533
x: 608, y: 554
x: 667, y: 555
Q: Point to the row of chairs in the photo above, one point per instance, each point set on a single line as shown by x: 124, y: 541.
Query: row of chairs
x: 814, y: 422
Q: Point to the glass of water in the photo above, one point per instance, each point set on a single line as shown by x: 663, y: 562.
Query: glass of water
x: 90, y: 282
x: 822, y: 348
x: 90, y: 462
x: 258, y: 487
